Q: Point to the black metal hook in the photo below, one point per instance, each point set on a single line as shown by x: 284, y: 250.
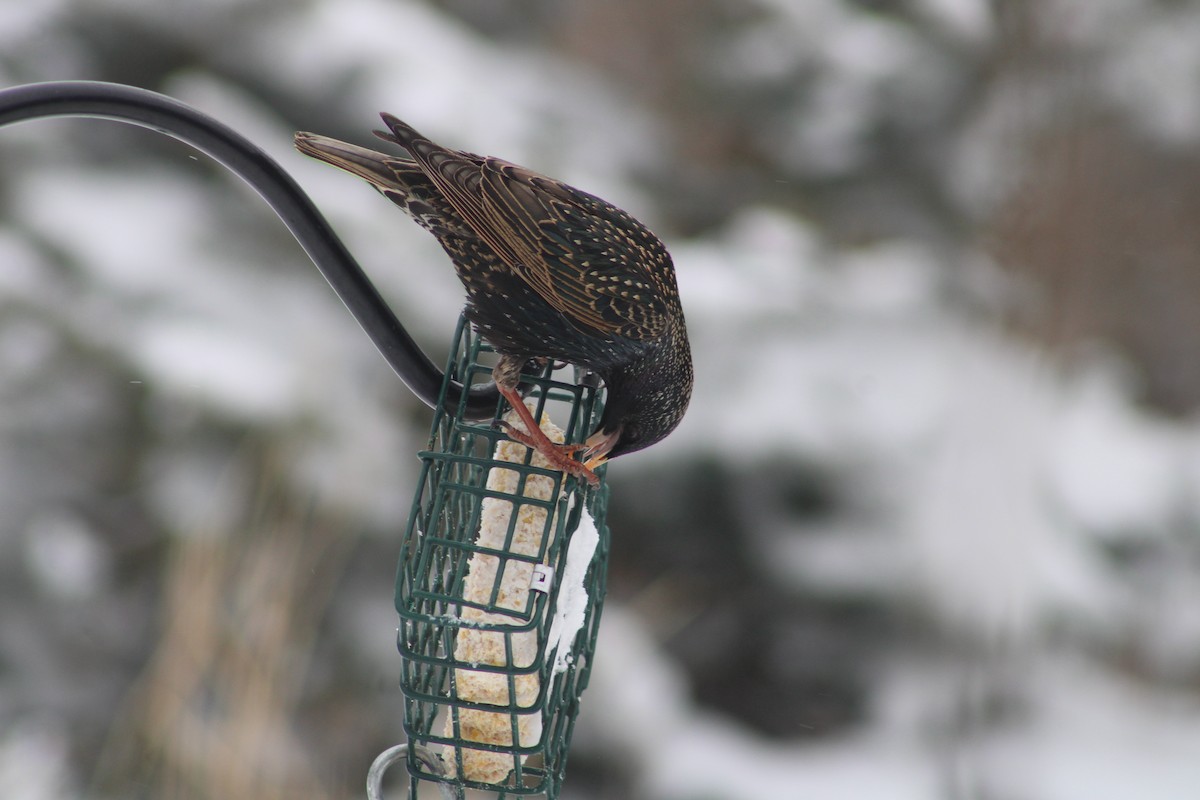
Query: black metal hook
x: 166, y: 115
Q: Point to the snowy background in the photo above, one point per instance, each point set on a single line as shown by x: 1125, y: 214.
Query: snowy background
x: 931, y: 530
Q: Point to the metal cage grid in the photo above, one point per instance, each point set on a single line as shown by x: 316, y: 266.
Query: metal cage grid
x: 439, y: 547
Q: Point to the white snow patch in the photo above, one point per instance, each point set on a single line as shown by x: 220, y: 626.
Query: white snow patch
x: 571, y: 610
x: 763, y: 264
x: 1155, y: 75
x: 1115, y: 471
x: 970, y: 20
x: 230, y: 371
x: 987, y: 551
x: 894, y: 277
x: 127, y: 230
x: 1096, y: 736
x: 66, y: 556
x: 35, y: 761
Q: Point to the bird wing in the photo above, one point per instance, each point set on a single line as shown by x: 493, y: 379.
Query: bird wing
x: 586, y: 258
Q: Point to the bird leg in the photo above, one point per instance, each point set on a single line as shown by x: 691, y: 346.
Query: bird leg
x: 505, y: 374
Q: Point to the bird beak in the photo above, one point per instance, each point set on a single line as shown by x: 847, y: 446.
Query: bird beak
x: 598, y: 446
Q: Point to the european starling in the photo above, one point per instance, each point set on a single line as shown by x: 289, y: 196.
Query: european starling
x: 551, y: 272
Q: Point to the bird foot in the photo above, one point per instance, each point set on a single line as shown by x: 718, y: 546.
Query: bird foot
x: 559, y: 455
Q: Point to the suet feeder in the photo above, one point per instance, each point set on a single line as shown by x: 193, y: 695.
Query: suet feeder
x: 499, y: 590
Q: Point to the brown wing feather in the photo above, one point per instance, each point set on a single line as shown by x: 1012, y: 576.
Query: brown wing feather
x: 598, y: 260
x: 521, y: 212
x: 572, y: 248
x: 456, y: 175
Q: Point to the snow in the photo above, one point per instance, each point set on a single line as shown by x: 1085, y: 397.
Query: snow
x: 1100, y: 738
x: 1114, y: 472
x: 570, y: 610
x: 197, y: 491
x: 986, y: 550
x: 21, y: 20
x: 120, y: 240
x: 971, y: 20
x: 223, y: 368
x: 21, y: 265
x: 762, y: 265
x: 34, y: 761
x: 67, y: 557
x: 1156, y: 76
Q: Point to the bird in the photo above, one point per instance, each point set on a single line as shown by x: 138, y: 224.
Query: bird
x: 550, y: 272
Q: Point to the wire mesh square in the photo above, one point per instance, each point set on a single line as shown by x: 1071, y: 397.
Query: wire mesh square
x: 491, y: 686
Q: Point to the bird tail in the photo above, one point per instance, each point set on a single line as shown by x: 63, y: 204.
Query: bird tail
x: 383, y: 171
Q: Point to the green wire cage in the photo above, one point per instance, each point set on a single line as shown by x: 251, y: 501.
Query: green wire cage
x: 499, y: 590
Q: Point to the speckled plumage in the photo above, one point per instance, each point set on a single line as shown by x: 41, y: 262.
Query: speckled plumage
x: 550, y: 272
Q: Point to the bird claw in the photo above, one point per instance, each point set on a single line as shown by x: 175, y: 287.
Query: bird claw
x: 559, y: 455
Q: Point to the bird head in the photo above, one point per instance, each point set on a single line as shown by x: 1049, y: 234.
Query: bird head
x: 646, y: 401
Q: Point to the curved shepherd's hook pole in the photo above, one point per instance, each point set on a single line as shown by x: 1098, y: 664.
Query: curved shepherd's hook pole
x: 163, y: 114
